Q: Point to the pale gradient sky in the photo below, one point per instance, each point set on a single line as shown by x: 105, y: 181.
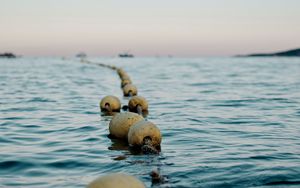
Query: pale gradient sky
x: 147, y: 28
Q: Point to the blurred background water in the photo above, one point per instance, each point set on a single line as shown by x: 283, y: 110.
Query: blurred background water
x: 226, y: 122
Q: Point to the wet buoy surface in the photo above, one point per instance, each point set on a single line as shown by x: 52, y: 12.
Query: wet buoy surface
x: 144, y: 131
x: 129, y: 90
x: 136, y: 103
x: 122, y: 74
x: 116, y: 180
x: 110, y: 104
x: 121, y: 122
x: 125, y: 76
x: 125, y: 82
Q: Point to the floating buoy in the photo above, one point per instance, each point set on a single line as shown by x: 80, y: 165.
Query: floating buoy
x: 129, y: 90
x: 146, y: 135
x: 125, y: 76
x: 110, y: 104
x: 122, y: 73
x: 138, y: 104
x: 121, y: 122
x: 116, y: 180
x: 125, y: 82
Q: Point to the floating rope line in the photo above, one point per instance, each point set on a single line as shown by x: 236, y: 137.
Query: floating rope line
x: 137, y: 104
x: 143, y: 134
x: 131, y: 126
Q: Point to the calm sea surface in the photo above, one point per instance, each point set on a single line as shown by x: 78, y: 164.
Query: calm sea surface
x: 226, y: 122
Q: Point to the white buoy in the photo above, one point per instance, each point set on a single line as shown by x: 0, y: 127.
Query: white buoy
x: 121, y: 122
x: 116, y: 180
x: 110, y: 104
x: 129, y: 90
x: 144, y: 133
x: 138, y: 104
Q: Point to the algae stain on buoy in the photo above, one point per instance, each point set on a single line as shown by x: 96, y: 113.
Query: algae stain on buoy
x: 129, y: 90
x: 116, y: 180
x: 110, y: 104
x: 146, y: 135
x: 121, y: 122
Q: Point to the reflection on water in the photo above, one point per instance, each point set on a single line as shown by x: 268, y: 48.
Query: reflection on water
x: 226, y: 122
x: 118, y: 145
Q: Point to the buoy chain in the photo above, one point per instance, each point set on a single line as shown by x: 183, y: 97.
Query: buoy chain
x: 136, y: 104
x: 131, y: 125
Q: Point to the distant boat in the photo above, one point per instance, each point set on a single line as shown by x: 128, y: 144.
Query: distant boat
x: 8, y: 55
x: 126, y: 55
x: 81, y: 55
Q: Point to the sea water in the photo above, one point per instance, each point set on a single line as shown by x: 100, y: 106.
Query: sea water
x: 225, y: 122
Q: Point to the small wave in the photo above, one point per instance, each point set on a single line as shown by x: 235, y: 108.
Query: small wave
x: 15, y: 165
x: 284, y: 182
x: 237, y: 121
x: 69, y: 164
x: 298, y: 113
x: 13, y: 118
x: 205, y: 84
x: 40, y: 99
x: 6, y: 141
x: 31, y: 126
x: 264, y: 157
x: 91, y: 112
x: 233, y: 103
x: 21, y: 109
x: 86, y: 128
x: 90, y: 139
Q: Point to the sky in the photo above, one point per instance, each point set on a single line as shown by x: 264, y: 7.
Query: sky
x: 182, y: 28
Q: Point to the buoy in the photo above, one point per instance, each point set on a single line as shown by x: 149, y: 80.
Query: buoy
x: 138, y: 104
x: 146, y: 135
x: 116, y: 180
x: 122, y: 73
x: 120, y: 70
x: 110, y: 104
x: 125, y: 76
x: 125, y: 82
x: 129, y: 90
x: 121, y: 122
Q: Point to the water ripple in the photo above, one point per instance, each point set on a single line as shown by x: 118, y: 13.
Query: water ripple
x: 226, y: 122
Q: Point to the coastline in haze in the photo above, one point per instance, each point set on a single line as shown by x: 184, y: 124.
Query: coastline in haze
x: 287, y: 53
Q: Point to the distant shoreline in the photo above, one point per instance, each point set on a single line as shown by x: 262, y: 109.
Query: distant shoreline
x: 7, y: 55
x: 287, y: 53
